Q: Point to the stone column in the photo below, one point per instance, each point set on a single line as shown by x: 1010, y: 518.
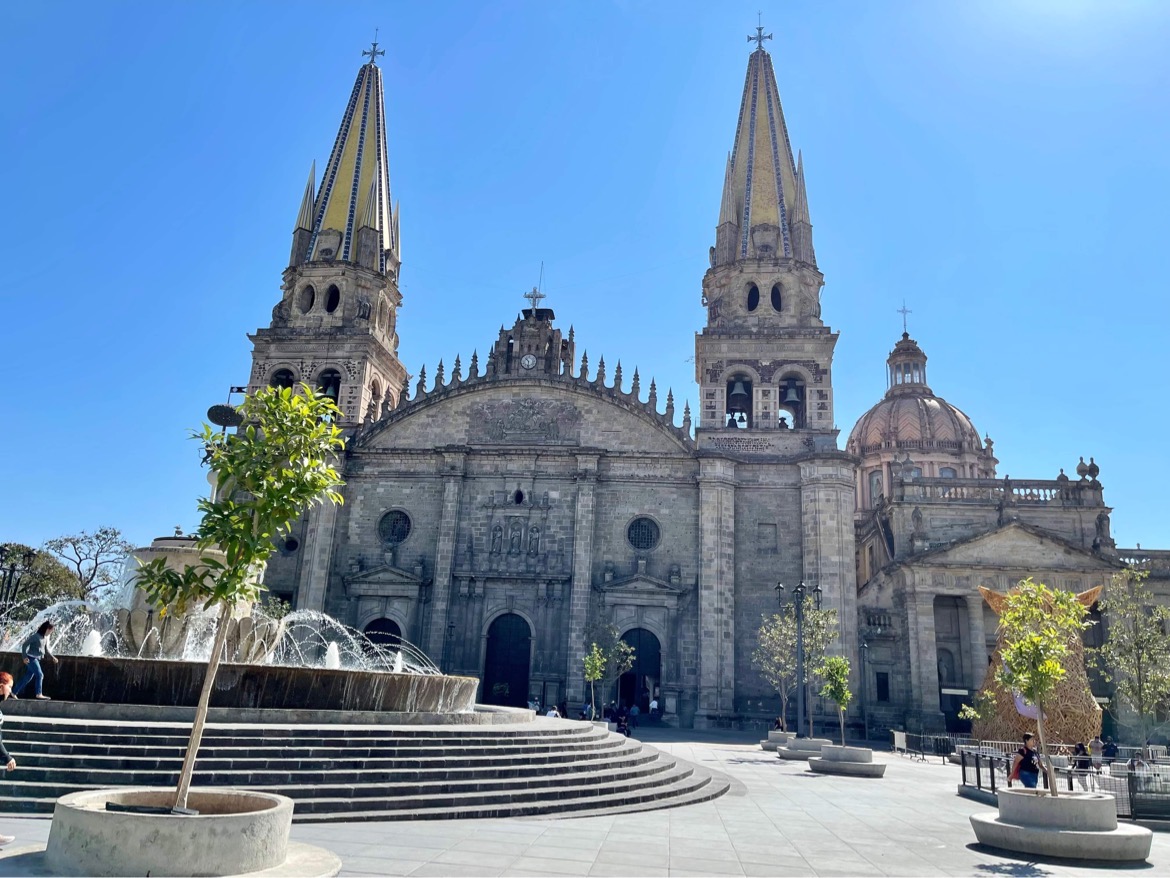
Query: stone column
x: 318, y: 557
x: 978, y: 645
x: 716, y: 590
x: 827, y: 492
x: 453, y: 461
x: 582, y: 585
x: 926, y: 695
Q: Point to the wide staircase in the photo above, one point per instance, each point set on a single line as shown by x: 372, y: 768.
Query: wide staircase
x: 341, y: 773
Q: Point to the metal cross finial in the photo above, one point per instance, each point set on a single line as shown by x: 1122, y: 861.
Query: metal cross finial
x: 760, y: 35
x: 534, y: 297
x: 374, y: 51
x: 904, y: 311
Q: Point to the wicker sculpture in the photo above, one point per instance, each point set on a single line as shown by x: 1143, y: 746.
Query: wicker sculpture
x: 1071, y: 715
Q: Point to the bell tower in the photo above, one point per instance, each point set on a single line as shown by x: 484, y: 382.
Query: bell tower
x: 335, y: 324
x: 764, y: 359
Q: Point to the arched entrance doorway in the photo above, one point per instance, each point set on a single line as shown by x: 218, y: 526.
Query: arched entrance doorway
x: 506, y: 663
x: 639, y: 684
x: 384, y: 632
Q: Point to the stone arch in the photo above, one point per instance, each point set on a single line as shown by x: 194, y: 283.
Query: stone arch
x: 639, y: 684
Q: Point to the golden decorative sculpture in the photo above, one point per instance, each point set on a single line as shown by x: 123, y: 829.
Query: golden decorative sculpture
x: 1072, y: 714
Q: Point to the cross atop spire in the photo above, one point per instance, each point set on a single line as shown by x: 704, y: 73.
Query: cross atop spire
x: 374, y: 51
x: 904, y: 311
x: 534, y: 297
x: 760, y: 35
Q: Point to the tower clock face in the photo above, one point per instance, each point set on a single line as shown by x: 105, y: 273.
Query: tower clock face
x: 528, y: 361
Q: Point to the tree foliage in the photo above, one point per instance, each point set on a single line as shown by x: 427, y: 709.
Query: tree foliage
x: 834, y: 674
x: 1037, y: 625
x: 1136, y: 654
x: 36, y: 585
x: 594, y: 671
x: 95, y: 559
x: 274, y: 467
x: 775, y: 653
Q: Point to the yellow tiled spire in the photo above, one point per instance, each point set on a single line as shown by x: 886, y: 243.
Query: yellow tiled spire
x: 760, y: 194
x: 355, y: 188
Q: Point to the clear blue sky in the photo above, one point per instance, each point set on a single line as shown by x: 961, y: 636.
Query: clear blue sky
x: 1004, y: 166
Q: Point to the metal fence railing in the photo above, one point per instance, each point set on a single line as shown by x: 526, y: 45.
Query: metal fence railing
x: 922, y: 746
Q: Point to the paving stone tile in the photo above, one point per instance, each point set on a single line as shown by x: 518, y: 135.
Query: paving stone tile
x: 708, y: 865
x: 475, y: 858
x: 548, y: 866
x: 608, y: 869
x: 490, y: 845
x: 633, y: 860
x: 380, y: 867
x: 443, y: 869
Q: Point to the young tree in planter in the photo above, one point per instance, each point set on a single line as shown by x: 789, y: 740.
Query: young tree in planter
x: 594, y: 671
x: 267, y: 473
x: 1136, y: 654
x: 617, y: 656
x: 775, y: 653
x: 1037, y: 624
x: 834, y: 673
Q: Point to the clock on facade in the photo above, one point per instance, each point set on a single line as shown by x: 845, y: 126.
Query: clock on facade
x: 528, y: 361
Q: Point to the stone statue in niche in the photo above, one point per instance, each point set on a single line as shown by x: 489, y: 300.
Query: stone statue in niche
x: 514, y: 541
x: 919, y: 524
x: 497, y: 540
x: 534, y: 541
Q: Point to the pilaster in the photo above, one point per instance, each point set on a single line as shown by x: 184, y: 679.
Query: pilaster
x: 581, y: 588
x: 314, y: 572
x: 827, y: 497
x: 978, y: 645
x: 716, y: 590
x: 453, y: 472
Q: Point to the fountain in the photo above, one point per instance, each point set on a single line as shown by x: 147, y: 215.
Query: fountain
x: 128, y: 652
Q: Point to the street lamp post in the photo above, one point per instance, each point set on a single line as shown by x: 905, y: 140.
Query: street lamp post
x: 798, y: 607
x: 864, y: 686
x: 12, y: 563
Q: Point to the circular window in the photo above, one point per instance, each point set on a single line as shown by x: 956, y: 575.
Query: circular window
x: 642, y: 534
x: 753, y: 298
x: 394, y: 527
x: 291, y: 545
x: 306, y: 299
x: 777, y: 298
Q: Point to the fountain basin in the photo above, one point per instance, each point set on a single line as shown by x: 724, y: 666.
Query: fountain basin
x: 176, y: 683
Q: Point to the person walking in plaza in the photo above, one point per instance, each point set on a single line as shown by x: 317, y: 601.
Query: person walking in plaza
x: 5, y: 756
x: 35, y: 650
x: 1096, y: 747
x: 1082, y: 764
x: 1027, y: 764
x: 1109, y: 751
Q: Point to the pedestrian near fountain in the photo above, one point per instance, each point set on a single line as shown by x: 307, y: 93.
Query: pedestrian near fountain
x: 1096, y: 749
x: 35, y: 650
x: 9, y: 762
x: 1027, y: 764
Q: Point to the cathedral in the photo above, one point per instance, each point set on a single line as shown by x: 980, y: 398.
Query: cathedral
x: 498, y: 512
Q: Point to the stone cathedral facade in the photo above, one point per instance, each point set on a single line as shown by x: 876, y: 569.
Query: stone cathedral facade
x: 499, y: 510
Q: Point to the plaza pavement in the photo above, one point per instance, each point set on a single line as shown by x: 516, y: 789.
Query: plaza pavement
x: 778, y: 819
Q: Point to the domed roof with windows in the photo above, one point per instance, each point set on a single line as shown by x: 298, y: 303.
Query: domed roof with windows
x: 911, y: 416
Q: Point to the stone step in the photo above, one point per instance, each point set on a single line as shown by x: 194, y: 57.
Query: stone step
x: 146, y: 740
x: 684, y: 791
x: 276, y: 772
x: 319, y: 753
x: 547, y: 762
x: 312, y: 798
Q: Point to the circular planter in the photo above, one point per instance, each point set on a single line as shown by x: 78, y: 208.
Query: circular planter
x: 236, y: 831
x: 1079, y: 826
x: 1083, y: 812
x: 837, y: 753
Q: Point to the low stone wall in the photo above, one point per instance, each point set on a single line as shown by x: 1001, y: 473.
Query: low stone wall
x: 178, y: 683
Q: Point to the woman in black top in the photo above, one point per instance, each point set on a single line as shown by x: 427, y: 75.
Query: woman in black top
x: 1082, y: 764
x: 1027, y: 765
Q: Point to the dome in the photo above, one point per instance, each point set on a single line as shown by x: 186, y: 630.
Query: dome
x: 918, y: 420
x: 911, y: 416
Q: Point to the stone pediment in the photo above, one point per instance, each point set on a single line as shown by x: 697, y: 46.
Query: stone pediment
x: 641, y: 588
x: 384, y: 581
x: 1015, y: 544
